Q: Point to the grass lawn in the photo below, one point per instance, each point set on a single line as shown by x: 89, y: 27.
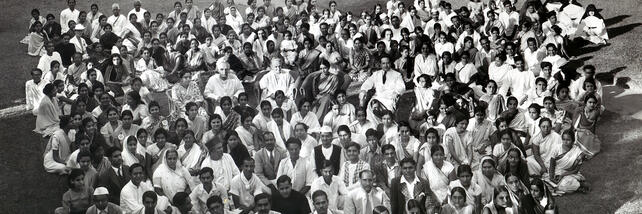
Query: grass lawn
x: 614, y: 174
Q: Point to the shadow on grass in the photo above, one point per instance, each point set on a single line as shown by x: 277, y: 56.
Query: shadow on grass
x: 608, y: 78
x: 616, y: 31
x: 615, y: 19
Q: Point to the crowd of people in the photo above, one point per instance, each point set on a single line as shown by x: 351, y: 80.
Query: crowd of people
x: 227, y: 108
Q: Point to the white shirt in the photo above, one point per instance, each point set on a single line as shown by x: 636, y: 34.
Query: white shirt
x: 276, y: 80
x: 67, y: 15
x: 131, y: 196
x: 45, y: 61
x: 302, y: 174
x: 224, y: 169
x: 117, y: 23
x: 327, y: 152
x: 246, y: 189
x: 410, y: 186
x: 217, y: 88
x: 334, y: 189
x: 140, y: 15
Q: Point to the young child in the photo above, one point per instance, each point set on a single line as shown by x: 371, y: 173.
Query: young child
x: 78, y: 198
x: 289, y: 48
x: 424, y: 94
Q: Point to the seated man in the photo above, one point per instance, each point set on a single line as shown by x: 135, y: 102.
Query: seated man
x: 276, y: 79
x: 225, y: 83
x: 388, y: 85
x: 102, y: 204
x: 288, y: 200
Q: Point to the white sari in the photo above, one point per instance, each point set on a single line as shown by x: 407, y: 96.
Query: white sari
x: 152, y: 75
x: 170, y: 180
x: 549, y: 147
x: 487, y: 185
x: 568, y: 161
x: 129, y: 157
x: 189, y: 157
x: 48, y: 114
x: 438, y: 178
x: 452, y: 138
x: 247, y: 138
x: 425, y: 97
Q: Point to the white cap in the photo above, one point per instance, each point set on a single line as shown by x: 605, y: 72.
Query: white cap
x: 325, y: 129
x: 79, y: 27
x: 101, y: 191
x: 383, y: 16
x: 115, y: 6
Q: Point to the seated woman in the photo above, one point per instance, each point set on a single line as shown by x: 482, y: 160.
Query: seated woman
x: 155, y: 120
x: 231, y: 119
x: 515, y: 164
x: 249, y: 135
x: 439, y: 172
x: 388, y: 127
x: 152, y: 75
x: 133, y: 152
x: 194, y: 58
x: 406, y: 145
x: 424, y: 95
x: 539, y: 201
x: 304, y: 115
x: 501, y: 202
x: 79, y: 197
x: 125, y: 128
x: 156, y: 151
x: 335, y: 117
x: 563, y: 99
x: 116, y: 75
x: 561, y: 118
x: 184, y: 92
x: 171, y: 176
x: 195, y: 122
x: 36, y: 39
x: 58, y: 148
x: 322, y: 85
x: 493, y: 101
x: 190, y: 153
x: 515, y: 117
x: 488, y: 179
x: 586, y: 123
x: 216, y: 130
x: 516, y: 188
x: 472, y: 191
x: 458, y: 202
x: 359, y: 59
x: 594, y: 27
x: 224, y: 164
x: 235, y: 148
x: 545, y: 146
x: 456, y: 141
x: 565, y: 167
x: 48, y: 112
x: 136, y: 105
x: 281, y: 128
x: 500, y: 150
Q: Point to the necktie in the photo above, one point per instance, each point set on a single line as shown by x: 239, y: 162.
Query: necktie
x: 368, y: 208
x: 271, y: 157
x: 118, y: 173
x: 384, y: 76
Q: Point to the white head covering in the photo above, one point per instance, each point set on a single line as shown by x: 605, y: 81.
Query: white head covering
x: 79, y: 27
x: 115, y: 6
x: 101, y: 191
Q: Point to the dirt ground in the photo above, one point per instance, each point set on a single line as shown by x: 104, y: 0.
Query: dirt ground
x: 614, y: 174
